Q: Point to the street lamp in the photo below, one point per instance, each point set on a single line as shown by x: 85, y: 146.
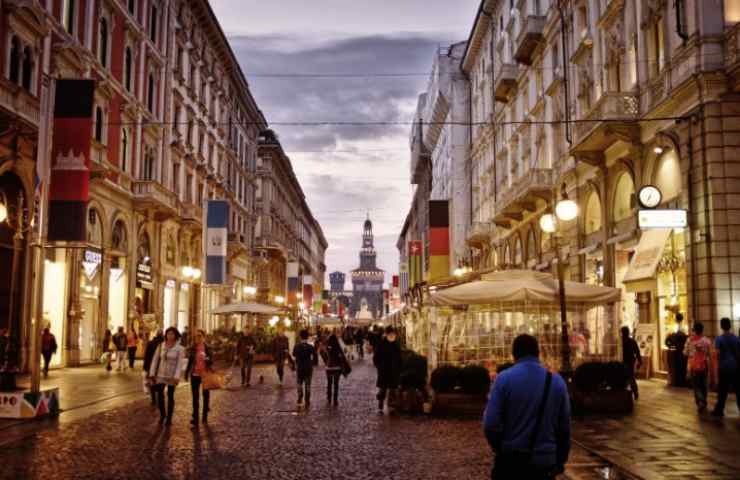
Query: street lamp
x: 565, y: 210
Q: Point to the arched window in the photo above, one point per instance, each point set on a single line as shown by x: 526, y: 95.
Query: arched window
x: 593, y: 214
x: 103, y: 41
x: 127, y: 68
x: 28, y: 69
x: 98, y: 124
x: 150, y: 94
x: 147, y: 170
x: 668, y: 175
x: 118, y: 236
x: 125, y: 147
x: 623, y: 197
x: 14, y: 71
x: 94, y: 227
x: 132, y: 7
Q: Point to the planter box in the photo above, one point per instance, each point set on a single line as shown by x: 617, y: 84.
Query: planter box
x: 458, y: 404
x: 606, y: 401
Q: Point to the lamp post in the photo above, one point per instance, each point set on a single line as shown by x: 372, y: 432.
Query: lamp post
x: 565, y: 210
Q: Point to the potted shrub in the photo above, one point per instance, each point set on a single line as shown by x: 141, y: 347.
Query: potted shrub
x: 413, y: 382
x: 601, y: 388
x: 460, y: 391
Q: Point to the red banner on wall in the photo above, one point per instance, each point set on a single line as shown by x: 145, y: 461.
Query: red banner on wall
x: 70, y: 160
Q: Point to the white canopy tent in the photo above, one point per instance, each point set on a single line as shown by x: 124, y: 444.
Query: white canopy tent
x: 476, y: 322
x: 522, y: 286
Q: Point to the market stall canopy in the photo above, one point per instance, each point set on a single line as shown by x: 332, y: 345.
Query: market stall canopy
x: 522, y: 286
x: 238, y: 308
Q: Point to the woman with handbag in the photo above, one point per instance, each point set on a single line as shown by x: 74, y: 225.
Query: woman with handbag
x: 166, y: 371
x: 199, y: 364
x: 335, y: 360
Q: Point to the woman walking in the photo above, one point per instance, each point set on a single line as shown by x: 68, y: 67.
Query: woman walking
x: 199, y: 362
x: 334, y: 360
x: 107, y: 349
x: 166, y: 371
x: 131, y: 343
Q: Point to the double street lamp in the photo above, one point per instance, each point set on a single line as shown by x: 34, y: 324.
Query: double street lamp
x: 566, y: 210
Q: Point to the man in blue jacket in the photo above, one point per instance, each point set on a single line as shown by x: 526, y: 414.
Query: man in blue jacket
x: 528, y: 429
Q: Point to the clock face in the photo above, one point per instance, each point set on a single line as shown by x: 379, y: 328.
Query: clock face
x: 650, y: 196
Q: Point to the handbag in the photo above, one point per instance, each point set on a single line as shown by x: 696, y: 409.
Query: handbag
x: 212, y: 380
x: 519, y: 464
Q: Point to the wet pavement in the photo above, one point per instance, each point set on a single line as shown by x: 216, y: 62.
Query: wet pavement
x: 260, y: 433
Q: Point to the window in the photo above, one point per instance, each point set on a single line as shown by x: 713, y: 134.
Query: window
x: 176, y: 121
x: 147, y: 168
x: 68, y: 15
x: 132, y: 7
x: 150, y: 94
x: 125, y: 147
x: 190, y: 132
x: 189, y: 188
x: 153, y: 19
x: 28, y: 69
x: 179, y: 59
x: 128, y: 73
x: 98, y: 124
x: 176, y: 178
x: 14, y: 72
x: 103, y: 41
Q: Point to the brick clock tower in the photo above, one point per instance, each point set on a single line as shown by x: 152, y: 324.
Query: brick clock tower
x: 367, y: 281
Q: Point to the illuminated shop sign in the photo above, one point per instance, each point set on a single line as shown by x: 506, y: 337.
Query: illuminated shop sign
x: 91, y: 263
x: 649, y: 219
x: 144, y: 276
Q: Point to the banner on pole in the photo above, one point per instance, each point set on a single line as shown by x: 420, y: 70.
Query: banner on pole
x: 216, y: 237
x: 70, y: 173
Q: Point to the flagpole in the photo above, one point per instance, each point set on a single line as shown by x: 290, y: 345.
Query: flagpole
x: 43, y: 157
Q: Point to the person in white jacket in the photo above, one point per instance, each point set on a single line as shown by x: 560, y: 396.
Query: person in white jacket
x: 168, y: 366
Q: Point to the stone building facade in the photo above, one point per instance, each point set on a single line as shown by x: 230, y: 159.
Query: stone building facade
x: 286, y: 232
x: 175, y: 125
x: 367, y: 302
x: 601, y: 99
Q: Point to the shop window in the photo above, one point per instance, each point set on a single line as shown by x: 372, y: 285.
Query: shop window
x: 128, y: 62
x: 593, y: 214
x: 28, y: 69
x: 14, y: 70
x: 668, y: 176
x: 624, y: 197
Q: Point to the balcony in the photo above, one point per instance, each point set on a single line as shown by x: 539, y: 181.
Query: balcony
x: 18, y: 102
x: 504, y: 84
x: 523, y: 195
x: 529, y: 38
x: 191, y: 214
x: 479, y: 234
x: 151, y: 196
x: 237, y: 244
x: 614, y: 117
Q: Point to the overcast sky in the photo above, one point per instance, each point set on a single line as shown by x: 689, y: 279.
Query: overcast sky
x: 345, y: 171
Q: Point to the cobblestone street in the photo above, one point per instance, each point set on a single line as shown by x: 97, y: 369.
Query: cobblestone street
x: 258, y: 433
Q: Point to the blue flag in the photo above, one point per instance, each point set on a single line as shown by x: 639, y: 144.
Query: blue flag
x: 216, y: 238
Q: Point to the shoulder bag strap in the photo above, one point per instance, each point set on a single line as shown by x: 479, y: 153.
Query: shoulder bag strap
x: 540, y: 414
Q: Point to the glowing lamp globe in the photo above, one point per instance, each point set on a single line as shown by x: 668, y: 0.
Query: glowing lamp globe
x: 187, y: 271
x: 566, y: 210
x: 547, y: 223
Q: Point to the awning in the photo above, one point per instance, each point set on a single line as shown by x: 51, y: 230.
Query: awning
x: 522, y: 286
x: 239, y: 308
x: 647, y: 255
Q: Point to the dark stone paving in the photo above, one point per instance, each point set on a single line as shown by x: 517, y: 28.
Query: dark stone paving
x: 258, y: 433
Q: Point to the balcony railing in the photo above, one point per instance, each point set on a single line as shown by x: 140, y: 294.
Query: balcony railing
x: 529, y: 37
x: 479, y: 233
x: 535, y: 184
x: 190, y: 212
x: 615, y: 110
x: 152, y: 195
x: 18, y: 101
x: 504, y: 84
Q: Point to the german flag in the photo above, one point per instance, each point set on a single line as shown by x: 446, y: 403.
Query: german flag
x: 439, y: 240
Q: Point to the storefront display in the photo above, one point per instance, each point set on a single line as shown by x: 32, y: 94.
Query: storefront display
x: 117, y: 294
x: 183, y: 306
x: 55, y: 296
x: 170, y: 311
x: 90, y: 284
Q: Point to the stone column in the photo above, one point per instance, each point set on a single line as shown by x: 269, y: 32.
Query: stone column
x: 74, y: 313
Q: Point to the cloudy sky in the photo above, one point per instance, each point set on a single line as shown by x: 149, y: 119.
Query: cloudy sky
x: 328, y: 61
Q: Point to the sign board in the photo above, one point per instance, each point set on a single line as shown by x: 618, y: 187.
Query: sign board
x: 645, y: 334
x: 91, y: 263
x: 144, y: 276
x: 648, y: 219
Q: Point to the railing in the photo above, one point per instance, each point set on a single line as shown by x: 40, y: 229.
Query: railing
x: 155, y: 192
x: 190, y: 211
x: 505, y: 80
x: 17, y: 100
x: 535, y: 179
x: 529, y: 35
x: 612, y: 106
x: 479, y: 231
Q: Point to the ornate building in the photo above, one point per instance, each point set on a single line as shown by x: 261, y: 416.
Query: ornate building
x: 367, y: 281
x: 601, y: 99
